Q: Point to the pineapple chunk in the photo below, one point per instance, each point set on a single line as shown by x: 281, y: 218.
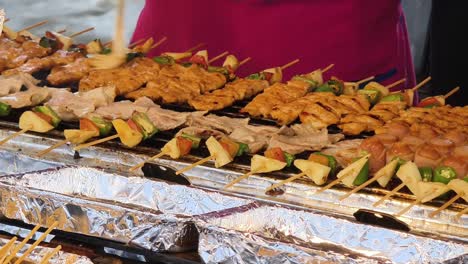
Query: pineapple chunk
x: 386, y: 173
x: 178, y: 56
x: 221, y: 156
x: 460, y: 187
x: 350, y: 173
x: 409, y: 174
x: 277, y: 74
x: 77, y: 136
x: 27, y: 34
x: 66, y: 41
x: 94, y: 47
x: 204, y: 54
x: 32, y: 122
x: 10, y: 33
x: 315, y: 171
x: 378, y: 87
x: 231, y: 62
x: 127, y: 135
x: 430, y: 190
x: 172, y: 149
x: 315, y: 76
x: 350, y: 88
x: 261, y: 164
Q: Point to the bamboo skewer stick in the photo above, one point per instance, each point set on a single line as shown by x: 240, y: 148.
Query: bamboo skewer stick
x: 56, y: 145
x: 407, y: 208
x: 244, y: 61
x: 81, y: 32
x: 38, y: 24
x: 365, y: 80
x: 16, y: 134
x: 454, y: 90
x: 462, y: 212
x: 21, y: 245
x: 133, y: 44
x: 283, y: 182
x: 47, y: 257
x: 141, y: 164
x: 360, y: 187
x: 194, y: 165
x: 390, y: 194
x: 328, y: 68
x: 287, y: 65
x: 421, y: 84
x: 218, y: 57
x: 331, y: 184
x: 62, y: 31
x: 95, y: 142
x: 6, y: 20
x: 157, y: 44
x: 445, y: 205
x: 6, y: 249
x: 396, y: 83
x: 245, y: 176
x: 39, y: 240
x: 199, y: 45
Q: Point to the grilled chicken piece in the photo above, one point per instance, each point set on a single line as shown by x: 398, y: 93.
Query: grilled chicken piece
x: 353, y: 128
x: 275, y: 95
x: 238, y: 90
x: 128, y: 78
x: 371, y: 123
x: 69, y: 73
x: 14, y: 57
x: 318, y: 116
x: 60, y: 57
x: 287, y: 113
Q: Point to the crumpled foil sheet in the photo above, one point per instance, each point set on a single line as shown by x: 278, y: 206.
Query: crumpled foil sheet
x: 39, y: 252
x: 144, y: 213
x: 270, y: 227
x: 11, y: 162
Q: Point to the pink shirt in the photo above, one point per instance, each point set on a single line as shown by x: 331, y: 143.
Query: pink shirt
x: 361, y: 37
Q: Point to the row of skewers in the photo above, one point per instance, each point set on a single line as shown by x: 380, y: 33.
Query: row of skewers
x: 223, y: 150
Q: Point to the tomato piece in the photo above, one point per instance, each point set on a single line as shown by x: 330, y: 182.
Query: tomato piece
x: 47, y: 118
x: 134, y: 126
x: 184, y: 145
x: 230, y: 146
x: 429, y: 102
x: 275, y: 153
x: 268, y: 76
x: 200, y: 60
x: 88, y: 125
x: 321, y: 159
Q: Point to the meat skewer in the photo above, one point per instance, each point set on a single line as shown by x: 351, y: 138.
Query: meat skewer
x: 218, y: 57
x: 461, y: 189
x: 38, y: 24
x: 81, y: 32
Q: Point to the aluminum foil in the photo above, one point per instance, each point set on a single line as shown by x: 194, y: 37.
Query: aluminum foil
x: 11, y: 162
x: 269, y: 228
x: 39, y: 252
x: 144, y: 213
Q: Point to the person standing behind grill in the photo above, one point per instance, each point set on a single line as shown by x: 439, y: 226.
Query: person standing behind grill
x: 361, y: 37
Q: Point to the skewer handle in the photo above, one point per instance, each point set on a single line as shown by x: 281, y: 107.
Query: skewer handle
x: 328, y: 186
x: 445, y: 205
x: 245, y: 176
x: 360, y: 187
x: 133, y: 44
x: 157, y: 44
x: 22, y: 131
x: 56, y: 145
x: 141, y: 164
x: 244, y: 61
x: 39, y: 240
x: 81, y: 32
x: 21, y: 245
x: 365, y: 80
x: 390, y: 194
x: 6, y: 249
x: 218, y: 57
x: 421, y: 84
x: 462, y: 212
x: 194, y: 165
x: 396, y: 83
x: 287, y: 65
x: 99, y: 141
x: 38, y: 24
x: 199, y: 45
x: 328, y: 68
x: 49, y: 255
x: 407, y: 208
x: 454, y: 90
x: 290, y: 179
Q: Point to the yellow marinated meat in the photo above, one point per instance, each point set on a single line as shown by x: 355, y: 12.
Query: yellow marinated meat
x: 70, y: 73
x: 15, y: 56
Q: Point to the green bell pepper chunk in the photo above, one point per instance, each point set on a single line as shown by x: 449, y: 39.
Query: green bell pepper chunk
x: 289, y: 158
x: 444, y: 174
x: 393, y: 98
x: 372, y: 95
x: 243, y: 149
x: 106, y: 51
x: 363, y: 175
x: 5, y: 109
x: 104, y: 126
x: 426, y: 173
x: 332, y: 163
x: 164, y: 60
x: 256, y: 76
x: 133, y: 55
x: 48, y: 111
x: 324, y: 88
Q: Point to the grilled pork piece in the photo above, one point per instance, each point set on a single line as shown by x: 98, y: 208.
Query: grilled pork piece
x: 127, y: 78
x: 13, y: 84
x: 220, y: 123
x: 72, y: 107
x: 32, y: 97
x: 69, y: 73
x: 275, y: 95
x: 238, y: 90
